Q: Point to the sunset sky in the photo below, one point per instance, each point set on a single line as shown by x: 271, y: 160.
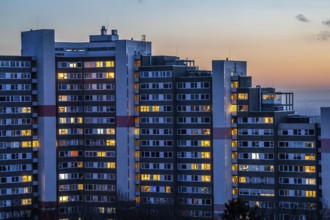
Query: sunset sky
x: 286, y: 42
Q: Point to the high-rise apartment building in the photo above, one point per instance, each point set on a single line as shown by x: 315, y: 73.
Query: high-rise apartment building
x: 86, y: 125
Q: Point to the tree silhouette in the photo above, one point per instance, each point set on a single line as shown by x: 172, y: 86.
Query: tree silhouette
x: 238, y: 210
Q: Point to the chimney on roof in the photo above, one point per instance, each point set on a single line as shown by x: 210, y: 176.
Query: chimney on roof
x: 103, y: 30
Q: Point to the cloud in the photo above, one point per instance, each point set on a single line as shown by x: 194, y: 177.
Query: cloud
x: 326, y: 22
x: 302, y: 18
x: 323, y: 36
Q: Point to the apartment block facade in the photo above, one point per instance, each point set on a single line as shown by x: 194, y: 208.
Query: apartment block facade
x: 86, y: 125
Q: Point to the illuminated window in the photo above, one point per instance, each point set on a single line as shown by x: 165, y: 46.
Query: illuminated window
x: 206, y: 155
x: 62, y: 75
x: 35, y: 143
x: 62, y: 131
x: 26, y: 110
x: 168, y: 189
x: 27, y: 190
x: 62, y: 120
x: 63, y: 98
x: 234, y: 85
x: 109, y: 63
x: 80, y: 164
x: 144, y: 108
x: 80, y: 186
x: 255, y: 156
x: 26, y: 143
x: 155, y: 108
x: 233, y: 96
x: 99, y: 64
x: 233, y: 108
x: 137, y: 165
x: 234, y: 143
x: 109, y: 75
x: 74, y: 153
x: 309, y: 157
x: 26, y: 132
x: 145, y: 176
x: 205, y: 143
x: 62, y: 109
x: 234, y: 155
x: 235, y: 191
x: 206, y: 131
x: 234, y: 131
x: 310, y: 193
x: 26, y: 178
x: 64, y: 199
x: 194, y: 166
x: 138, y: 199
x: 242, y: 179
x: 206, y: 178
x: 243, y: 108
x: 234, y: 167
x: 137, y: 63
x: 101, y: 154
x: 111, y: 131
x: 205, y: 166
x: 136, y: 131
x: 268, y: 97
x: 26, y: 201
x: 310, y: 169
x: 111, y: 143
x: 234, y: 179
x: 111, y: 165
x: 145, y: 188
x: 243, y: 96
x: 156, y: 177
x: 206, y: 108
x: 268, y: 120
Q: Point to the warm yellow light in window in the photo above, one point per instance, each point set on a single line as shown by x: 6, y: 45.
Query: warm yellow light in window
x: 111, y: 142
x: 62, y: 131
x: 137, y: 154
x: 205, y: 143
x: 243, y: 96
x: 27, y: 189
x: 99, y: 64
x: 138, y: 199
x: 110, y: 75
x: 111, y: 165
x: 64, y: 199
x: 242, y: 179
x: 155, y: 108
x: 309, y: 157
x: 26, y: 143
x: 234, y: 179
x: 234, y: 85
x: 145, y: 176
x: 80, y: 186
x: 26, y: 132
x: 145, y: 188
x: 168, y: 189
x: 35, y: 143
x: 234, y: 167
x: 206, y: 178
x: 136, y: 86
x: 26, y: 201
x: 26, y: 178
x: 144, y: 108
x: 156, y: 177
x: 26, y: 110
x: 109, y: 63
x: 205, y: 166
x: 111, y: 131
x: 234, y: 155
x: 233, y: 108
x: 80, y: 164
x: 206, y: 108
x: 206, y: 131
x: 310, y: 169
x: 62, y: 120
x: 235, y: 191
x: 137, y: 165
x: 233, y: 96
x: 63, y: 98
x: 234, y: 143
x: 310, y: 193
x: 136, y: 131
x: 136, y: 97
x: 62, y: 109
x: 268, y: 120
x: 206, y: 155
x: 62, y: 75
x: 74, y: 153
x: 101, y: 154
x: 194, y: 166
x: 137, y: 63
x: 234, y: 131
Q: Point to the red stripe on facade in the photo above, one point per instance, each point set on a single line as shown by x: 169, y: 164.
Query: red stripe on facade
x: 125, y: 121
x: 47, y: 110
x: 325, y: 145
x: 221, y: 133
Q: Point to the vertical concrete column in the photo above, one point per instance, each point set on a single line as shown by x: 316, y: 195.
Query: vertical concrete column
x: 325, y: 160
x: 41, y: 45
